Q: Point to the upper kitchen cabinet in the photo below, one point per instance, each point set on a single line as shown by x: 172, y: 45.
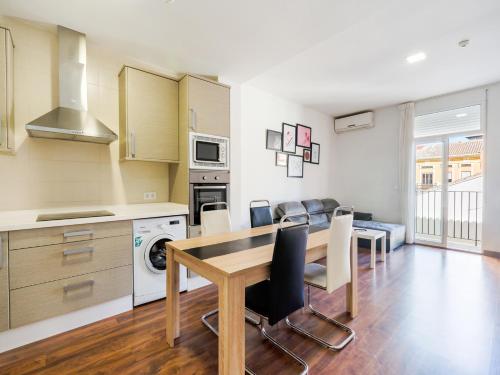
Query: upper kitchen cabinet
x: 208, y: 106
x: 6, y: 91
x: 149, y: 116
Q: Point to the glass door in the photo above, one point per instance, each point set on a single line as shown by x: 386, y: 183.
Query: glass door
x: 429, y: 208
x: 449, y: 186
x: 465, y: 192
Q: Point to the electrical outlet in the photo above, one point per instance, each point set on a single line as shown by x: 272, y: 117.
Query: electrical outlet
x: 150, y: 196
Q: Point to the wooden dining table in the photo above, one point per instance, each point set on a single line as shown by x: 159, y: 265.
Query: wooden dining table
x: 233, y: 261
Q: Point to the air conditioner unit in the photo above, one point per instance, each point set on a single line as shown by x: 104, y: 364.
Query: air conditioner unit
x: 359, y: 121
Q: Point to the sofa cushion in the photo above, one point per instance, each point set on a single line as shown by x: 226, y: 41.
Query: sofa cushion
x: 329, y: 205
x: 292, y: 208
x: 316, y: 210
x: 366, y: 216
x: 319, y: 219
x: 314, y: 206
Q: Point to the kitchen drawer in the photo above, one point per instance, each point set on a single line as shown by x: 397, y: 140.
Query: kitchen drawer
x: 38, y: 265
x: 22, y: 239
x: 38, y: 302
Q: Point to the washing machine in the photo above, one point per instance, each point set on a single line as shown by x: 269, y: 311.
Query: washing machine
x: 150, y: 238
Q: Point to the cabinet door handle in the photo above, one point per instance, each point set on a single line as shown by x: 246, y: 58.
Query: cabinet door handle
x: 1, y: 129
x: 132, y: 144
x: 193, y: 118
x: 78, y: 233
x: 1, y: 253
x: 82, y: 250
x: 82, y: 284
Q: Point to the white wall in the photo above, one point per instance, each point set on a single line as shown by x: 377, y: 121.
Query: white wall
x: 254, y: 174
x: 365, y: 167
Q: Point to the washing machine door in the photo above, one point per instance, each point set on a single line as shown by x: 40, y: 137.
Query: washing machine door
x: 155, y: 255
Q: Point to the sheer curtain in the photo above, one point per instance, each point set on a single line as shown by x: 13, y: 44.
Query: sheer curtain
x: 407, y: 168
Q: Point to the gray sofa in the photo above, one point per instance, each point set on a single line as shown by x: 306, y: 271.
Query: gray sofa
x: 321, y: 212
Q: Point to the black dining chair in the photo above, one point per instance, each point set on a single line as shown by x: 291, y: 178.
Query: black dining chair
x: 283, y: 293
x: 260, y: 215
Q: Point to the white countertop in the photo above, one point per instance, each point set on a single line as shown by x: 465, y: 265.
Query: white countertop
x: 26, y: 219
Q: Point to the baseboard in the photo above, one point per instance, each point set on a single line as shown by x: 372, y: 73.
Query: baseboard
x: 494, y: 254
x: 27, y: 334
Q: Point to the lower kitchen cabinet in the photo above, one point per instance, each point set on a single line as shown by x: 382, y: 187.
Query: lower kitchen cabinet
x: 56, y: 270
x: 4, y: 282
x: 60, y: 261
x: 43, y: 301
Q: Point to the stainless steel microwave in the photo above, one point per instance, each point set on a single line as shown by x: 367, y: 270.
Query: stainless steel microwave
x: 208, y: 151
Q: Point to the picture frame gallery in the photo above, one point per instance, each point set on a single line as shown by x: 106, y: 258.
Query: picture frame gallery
x: 285, y: 144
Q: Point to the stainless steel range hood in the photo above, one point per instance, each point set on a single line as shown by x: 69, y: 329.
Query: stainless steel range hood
x: 71, y: 120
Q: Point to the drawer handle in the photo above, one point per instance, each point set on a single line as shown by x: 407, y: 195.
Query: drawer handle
x: 83, y: 284
x: 78, y: 233
x: 1, y: 253
x: 78, y: 251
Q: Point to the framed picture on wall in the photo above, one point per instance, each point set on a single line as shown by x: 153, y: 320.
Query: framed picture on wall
x: 295, y: 167
x: 273, y: 140
x: 304, y: 136
x: 289, y: 138
x: 307, y: 155
x: 315, y: 153
x: 281, y: 159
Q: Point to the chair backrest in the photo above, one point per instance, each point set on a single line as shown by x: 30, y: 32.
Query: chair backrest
x: 286, y: 293
x: 338, y: 260
x: 260, y: 215
x: 214, y: 221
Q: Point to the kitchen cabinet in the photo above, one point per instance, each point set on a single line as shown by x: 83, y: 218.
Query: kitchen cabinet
x: 149, y: 116
x: 203, y: 108
x: 4, y: 282
x: 43, y: 301
x: 208, y: 106
x: 7, y: 143
x: 77, y: 266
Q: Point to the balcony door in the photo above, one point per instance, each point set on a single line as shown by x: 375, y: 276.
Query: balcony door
x: 449, y: 180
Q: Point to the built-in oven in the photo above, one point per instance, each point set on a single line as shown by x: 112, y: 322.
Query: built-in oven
x: 206, y: 187
x: 208, y: 152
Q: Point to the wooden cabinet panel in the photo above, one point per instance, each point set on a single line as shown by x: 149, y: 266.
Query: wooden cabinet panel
x: 46, y: 300
x: 151, y: 116
x: 6, y: 91
x: 61, y: 261
x: 4, y: 282
x: 208, y: 107
x: 21, y: 239
x: 3, y: 90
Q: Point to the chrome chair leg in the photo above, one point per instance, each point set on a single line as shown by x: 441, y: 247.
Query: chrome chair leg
x: 260, y: 326
x: 273, y: 341
x: 341, y: 345
x: 204, y: 319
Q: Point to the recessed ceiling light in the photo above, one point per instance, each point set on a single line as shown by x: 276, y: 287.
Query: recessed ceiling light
x: 416, y: 57
x: 459, y: 115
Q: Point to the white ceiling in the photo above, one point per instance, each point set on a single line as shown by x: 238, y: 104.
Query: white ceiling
x: 334, y: 55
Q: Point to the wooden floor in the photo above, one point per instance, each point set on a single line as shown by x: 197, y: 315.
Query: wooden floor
x: 425, y: 311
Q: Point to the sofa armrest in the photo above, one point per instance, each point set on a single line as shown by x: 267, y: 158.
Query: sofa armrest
x: 365, y: 216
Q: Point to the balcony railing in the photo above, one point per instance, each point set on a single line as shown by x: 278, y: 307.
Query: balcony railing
x: 464, y: 215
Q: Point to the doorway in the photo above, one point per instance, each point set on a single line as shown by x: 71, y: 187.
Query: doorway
x: 449, y: 180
